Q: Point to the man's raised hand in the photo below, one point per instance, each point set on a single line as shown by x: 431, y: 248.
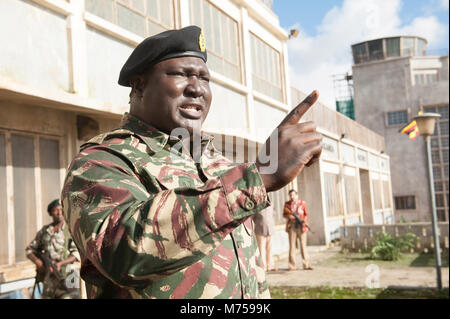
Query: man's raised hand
x: 299, y: 145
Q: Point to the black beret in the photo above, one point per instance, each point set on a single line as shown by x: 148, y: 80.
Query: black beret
x: 53, y: 204
x: 188, y: 41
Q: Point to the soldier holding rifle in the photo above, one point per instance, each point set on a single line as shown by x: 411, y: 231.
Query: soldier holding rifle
x: 51, y: 250
x: 297, y: 227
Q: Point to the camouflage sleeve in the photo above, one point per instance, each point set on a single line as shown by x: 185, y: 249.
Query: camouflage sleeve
x: 35, y: 244
x: 73, y: 251
x: 133, y: 236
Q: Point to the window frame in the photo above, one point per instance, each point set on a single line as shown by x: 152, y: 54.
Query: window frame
x: 144, y: 14
x: 40, y: 209
x: 403, y: 200
x: 211, y: 51
x: 406, y: 111
x: 281, y: 70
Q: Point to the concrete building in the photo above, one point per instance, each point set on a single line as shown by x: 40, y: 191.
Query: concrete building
x: 59, y: 66
x: 393, y: 79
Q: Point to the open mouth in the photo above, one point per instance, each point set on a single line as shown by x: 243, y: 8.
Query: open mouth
x: 191, y: 111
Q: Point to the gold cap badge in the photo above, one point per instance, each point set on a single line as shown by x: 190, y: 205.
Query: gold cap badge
x: 202, y: 41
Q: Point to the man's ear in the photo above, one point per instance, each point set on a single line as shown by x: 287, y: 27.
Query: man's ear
x: 137, y: 85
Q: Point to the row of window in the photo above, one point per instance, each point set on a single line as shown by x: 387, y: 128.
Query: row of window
x: 439, y: 158
x: 388, y: 48
x: 409, y: 203
x: 148, y: 17
x: 425, y: 78
x: 333, y: 194
x: 401, y: 117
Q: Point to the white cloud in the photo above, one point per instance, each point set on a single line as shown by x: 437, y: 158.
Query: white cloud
x: 444, y: 4
x: 313, y: 60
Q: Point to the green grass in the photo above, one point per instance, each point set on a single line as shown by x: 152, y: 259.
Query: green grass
x: 362, y: 259
x: 279, y: 292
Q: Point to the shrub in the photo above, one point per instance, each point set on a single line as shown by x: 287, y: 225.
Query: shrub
x: 390, y: 248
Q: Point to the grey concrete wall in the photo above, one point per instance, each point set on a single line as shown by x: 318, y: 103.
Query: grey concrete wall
x: 386, y: 86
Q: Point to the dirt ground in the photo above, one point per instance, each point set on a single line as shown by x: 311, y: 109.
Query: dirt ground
x: 373, y: 274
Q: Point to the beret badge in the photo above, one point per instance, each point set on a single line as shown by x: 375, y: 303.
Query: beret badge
x: 202, y: 42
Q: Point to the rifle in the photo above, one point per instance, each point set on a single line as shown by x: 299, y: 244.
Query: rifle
x: 301, y: 222
x: 50, y: 270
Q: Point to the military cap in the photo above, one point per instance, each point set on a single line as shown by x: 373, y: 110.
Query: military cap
x: 53, y: 204
x: 188, y: 41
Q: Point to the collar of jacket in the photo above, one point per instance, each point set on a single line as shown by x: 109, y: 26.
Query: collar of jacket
x: 157, y: 140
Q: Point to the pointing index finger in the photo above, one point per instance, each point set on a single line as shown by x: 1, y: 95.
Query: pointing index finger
x: 296, y: 114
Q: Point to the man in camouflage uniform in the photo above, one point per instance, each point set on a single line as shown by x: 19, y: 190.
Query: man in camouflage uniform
x: 152, y: 219
x: 53, y: 240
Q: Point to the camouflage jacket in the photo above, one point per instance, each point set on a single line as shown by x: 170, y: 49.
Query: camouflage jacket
x: 56, y: 244
x: 59, y: 246
x: 151, y: 223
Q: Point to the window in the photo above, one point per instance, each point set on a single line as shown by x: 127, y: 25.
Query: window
x: 405, y: 202
x: 222, y: 40
x: 421, y: 47
x: 377, y: 197
x: 333, y: 197
x: 24, y: 192
x: 360, y: 53
x: 440, y: 200
x: 437, y: 172
x: 351, y: 195
x: 376, y: 50
x: 443, y: 128
x: 435, y: 156
x: 387, y: 201
x: 397, y: 118
x: 443, y: 110
x: 408, y: 47
x: 143, y: 17
x: 35, y: 173
x: 434, y: 142
x: 393, y: 47
x: 266, y: 64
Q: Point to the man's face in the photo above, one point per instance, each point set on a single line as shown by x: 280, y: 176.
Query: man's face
x: 293, y: 196
x: 57, y: 214
x: 176, y: 94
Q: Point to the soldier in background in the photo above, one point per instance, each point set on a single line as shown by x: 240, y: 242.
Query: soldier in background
x: 152, y: 219
x: 296, y: 230
x: 52, y: 243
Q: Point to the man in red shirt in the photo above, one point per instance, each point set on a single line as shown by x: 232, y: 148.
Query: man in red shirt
x: 295, y: 229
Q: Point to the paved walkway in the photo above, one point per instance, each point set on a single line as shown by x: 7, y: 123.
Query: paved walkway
x: 352, y: 276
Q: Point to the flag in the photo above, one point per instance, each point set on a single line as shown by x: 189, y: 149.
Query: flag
x: 411, y: 129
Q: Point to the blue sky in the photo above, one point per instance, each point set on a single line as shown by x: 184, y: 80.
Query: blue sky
x: 329, y: 27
